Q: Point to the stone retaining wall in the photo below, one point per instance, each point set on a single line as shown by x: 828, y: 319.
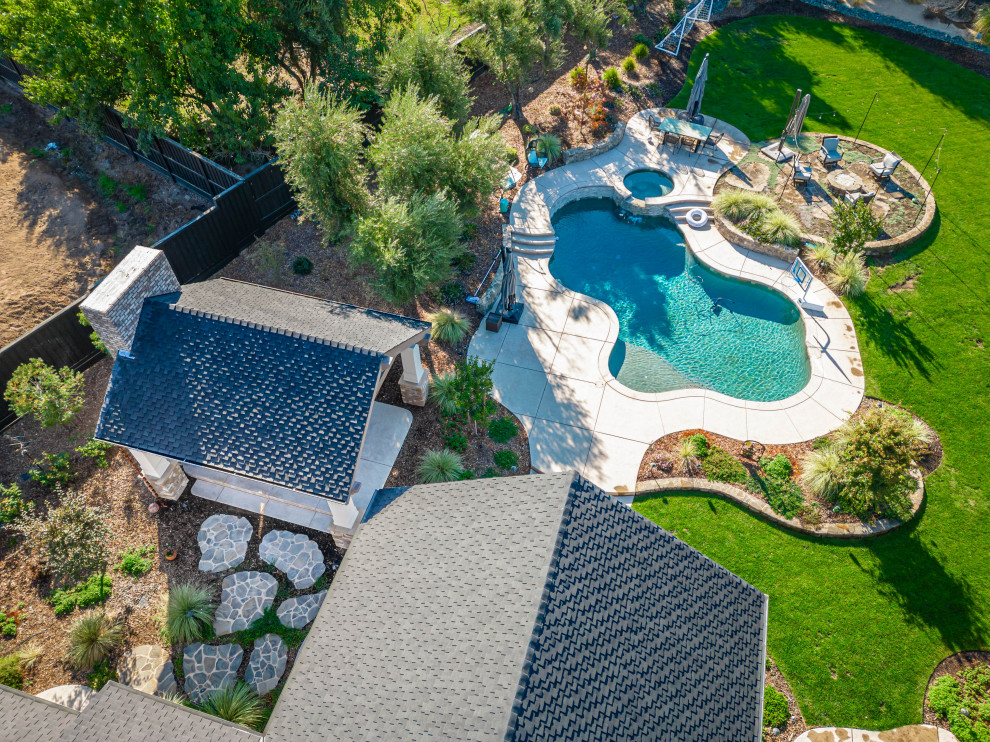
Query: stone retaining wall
x: 737, y: 237
x: 758, y: 506
x: 586, y: 152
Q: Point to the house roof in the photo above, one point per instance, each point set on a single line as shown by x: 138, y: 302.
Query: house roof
x: 260, y: 401
x: 530, y: 608
x: 27, y: 717
x: 351, y: 326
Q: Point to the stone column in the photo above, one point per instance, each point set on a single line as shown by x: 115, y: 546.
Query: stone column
x: 164, y: 475
x: 415, y: 381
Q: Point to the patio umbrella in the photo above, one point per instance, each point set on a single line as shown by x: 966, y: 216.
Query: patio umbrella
x: 797, y: 123
x: 508, y: 280
x: 698, y: 90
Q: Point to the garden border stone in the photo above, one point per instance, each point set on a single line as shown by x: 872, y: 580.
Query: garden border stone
x: 761, y: 508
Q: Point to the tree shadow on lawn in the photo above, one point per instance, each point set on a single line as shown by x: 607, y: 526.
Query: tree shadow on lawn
x: 894, y: 337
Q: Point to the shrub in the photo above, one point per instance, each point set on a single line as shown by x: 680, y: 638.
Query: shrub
x: 781, y: 228
x: 237, y: 703
x: 135, y: 562
x: 92, y: 638
x: 640, y: 39
x: 96, y: 450
x: 465, y: 475
x: 820, y: 471
x: 489, y: 473
x: 425, y: 60
x: 775, y: 712
x: 822, y: 253
x: 52, y: 396
x: 11, y: 504
x: 456, y: 442
x: 52, y: 470
x: 443, y: 391
x: 93, y: 336
x: 687, y: 456
x: 549, y: 146
x: 629, y: 65
x: 320, y: 143
x: 102, y: 674
x: 783, y: 495
x: 779, y: 466
x: 452, y: 292
x: 528, y: 129
x: 853, y: 225
x: 579, y: 79
x: 849, y: 274
x: 439, y: 466
x: 72, y: 537
x: 188, y: 614
x: 473, y: 388
x: 964, y: 703
x: 502, y: 430
x: 641, y: 51
x: 943, y: 696
x: 701, y: 444
x: 409, y: 243
x: 506, y: 459
x: 13, y: 665
x: 611, y: 78
x: 512, y: 155
x: 721, y: 466
x: 448, y: 325
x: 8, y: 626
x: 94, y: 590
x: 556, y: 111
x: 302, y: 266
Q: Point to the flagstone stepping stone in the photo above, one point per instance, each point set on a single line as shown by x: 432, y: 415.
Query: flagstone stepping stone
x: 295, y: 613
x: 207, y: 668
x: 243, y: 600
x: 267, y: 664
x: 223, y: 540
x: 147, y: 668
x: 295, y: 554
x: 75, y: 697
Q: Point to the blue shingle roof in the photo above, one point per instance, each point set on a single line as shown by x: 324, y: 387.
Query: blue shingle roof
x: 638, y: 637
x: 275, y: 405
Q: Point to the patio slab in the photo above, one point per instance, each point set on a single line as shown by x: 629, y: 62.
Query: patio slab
x: 571, y: 401
x: 557, y: 447
x: 527, y: 347
x: 519, y: 389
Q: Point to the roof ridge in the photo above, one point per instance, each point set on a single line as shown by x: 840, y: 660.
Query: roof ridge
x: 192, y: 311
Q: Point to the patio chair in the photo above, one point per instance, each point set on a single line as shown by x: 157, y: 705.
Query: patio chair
x: 533, y: 157
x: 866, y: 198
x: 886, y: 167
x: 829, y: 152
x: 713, y: 140
x: 802, y: 172
x: 654, y: 122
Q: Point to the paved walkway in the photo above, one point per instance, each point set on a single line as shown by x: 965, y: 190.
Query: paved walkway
x: 551, y: 370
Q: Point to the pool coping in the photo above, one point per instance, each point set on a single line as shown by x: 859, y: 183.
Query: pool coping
x: 836, y: 385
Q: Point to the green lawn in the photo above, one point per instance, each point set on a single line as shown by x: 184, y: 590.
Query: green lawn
x: 857, y: 627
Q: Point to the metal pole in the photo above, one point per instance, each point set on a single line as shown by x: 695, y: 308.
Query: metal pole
x: 925, y: 202
x: 933, y: 154
x: 856, y: 140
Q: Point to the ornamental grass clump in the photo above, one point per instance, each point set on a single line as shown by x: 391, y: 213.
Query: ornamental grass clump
x: 443, y: 391
x: 441, y: 465
x: 549, y: 146
x: 781, y: 228
x: 237, y: 703
x: 687, y: 456
x: 448, y: 325
x: 189, y: 613
x: 848, y: 275
x: 92, y: 638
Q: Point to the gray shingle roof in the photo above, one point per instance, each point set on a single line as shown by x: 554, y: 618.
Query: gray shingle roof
x: 264, y: 403
x: 639, y: 637
x: 379, y: 332
x: 121, y: 714
x: 24, y: 717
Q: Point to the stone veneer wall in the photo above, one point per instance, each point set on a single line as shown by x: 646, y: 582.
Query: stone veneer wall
x: 586, y: 152
x: 113, y: 308
x: 737, y: 237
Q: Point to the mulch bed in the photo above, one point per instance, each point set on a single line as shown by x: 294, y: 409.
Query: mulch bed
x: 659, y: 462
x: 952, y: 665
x: 796, y: 726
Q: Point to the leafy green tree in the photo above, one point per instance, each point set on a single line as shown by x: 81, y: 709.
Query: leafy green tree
x: 320, y: 145
x: 416, y: 150
x: 425, y: 60
x: 853, y: 225
x: 409, y: 243
x: 593, y: 23
x: 512, y: 44
x: 52, y: 396
x: 473, y: 390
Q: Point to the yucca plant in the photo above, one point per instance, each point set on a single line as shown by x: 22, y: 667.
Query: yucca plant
x: 849, y: 274
x: 188, y: 614
x: 448, y: 325
x: 549, y: 146
x: 820, y: 471
x: 237, y: 703
x: 441, y: 465
x: 822, y: 253
x: 443, y: 390
x: 687, y: 457
x: 781, y: 228
x: 92, y: 638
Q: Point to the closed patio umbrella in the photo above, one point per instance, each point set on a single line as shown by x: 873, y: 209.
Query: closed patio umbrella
x: 797, y: 123
x: 698, y: 90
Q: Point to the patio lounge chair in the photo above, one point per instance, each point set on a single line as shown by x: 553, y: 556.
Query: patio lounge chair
x: 886, y: 167
x: 802, y: 173
x: 864, y: 197
x: 533, y: 157
x: 829, y: 152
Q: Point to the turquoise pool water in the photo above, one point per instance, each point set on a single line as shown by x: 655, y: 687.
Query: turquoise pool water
x: 643, y: 184
x: 681, y: 324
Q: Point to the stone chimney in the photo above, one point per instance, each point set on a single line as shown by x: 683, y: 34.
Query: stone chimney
x: 114, y: 306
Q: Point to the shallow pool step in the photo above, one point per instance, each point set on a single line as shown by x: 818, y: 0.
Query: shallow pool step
x: 535, y: 241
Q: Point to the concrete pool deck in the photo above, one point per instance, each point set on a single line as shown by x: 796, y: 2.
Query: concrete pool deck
x: 551, y: 370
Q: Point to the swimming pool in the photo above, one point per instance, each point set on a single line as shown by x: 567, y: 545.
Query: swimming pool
x: 643, y: 184
x: 682, y: 324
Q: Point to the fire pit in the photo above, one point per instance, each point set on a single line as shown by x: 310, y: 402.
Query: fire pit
x: 842, y: 182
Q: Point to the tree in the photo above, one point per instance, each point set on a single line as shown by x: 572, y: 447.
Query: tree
x: 72, y: 537
x: 409, y: 243
x: 512, y: 42
x: 473, y: 389
x: 593, y: 21
x: 320, y: 144
x: 416, y: 150
x: 425, y: 60
x: 52, y: 396
x: 853, y: 225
